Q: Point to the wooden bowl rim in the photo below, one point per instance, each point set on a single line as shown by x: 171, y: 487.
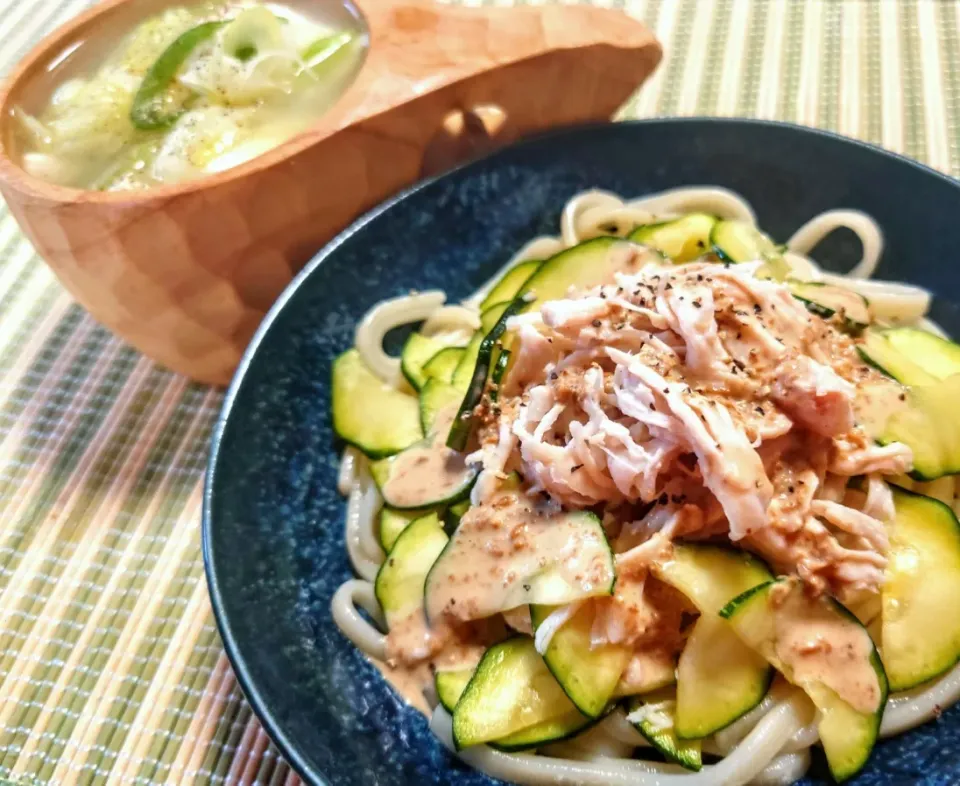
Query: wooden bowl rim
x: 34, y: 187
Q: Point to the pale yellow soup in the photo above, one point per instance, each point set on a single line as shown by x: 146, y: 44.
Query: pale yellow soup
x: 189, y: 92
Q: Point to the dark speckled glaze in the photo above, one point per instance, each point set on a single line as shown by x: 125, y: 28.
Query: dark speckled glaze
x: 273, y: 521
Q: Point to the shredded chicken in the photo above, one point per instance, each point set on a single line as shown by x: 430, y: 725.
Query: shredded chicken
x: 715, y: 399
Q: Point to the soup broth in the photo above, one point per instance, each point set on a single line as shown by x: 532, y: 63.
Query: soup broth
x: 189, y: 92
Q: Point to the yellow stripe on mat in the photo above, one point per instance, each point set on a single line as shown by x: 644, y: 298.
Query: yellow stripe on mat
x: 111, y: 670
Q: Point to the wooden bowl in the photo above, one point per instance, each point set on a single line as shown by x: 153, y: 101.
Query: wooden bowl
x: 186, y: 272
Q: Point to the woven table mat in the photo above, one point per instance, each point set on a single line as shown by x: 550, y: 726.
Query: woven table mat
x: 111, y: 670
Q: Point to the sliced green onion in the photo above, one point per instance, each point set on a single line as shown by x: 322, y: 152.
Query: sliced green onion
x: 153, y: 107
x: 324, y: 51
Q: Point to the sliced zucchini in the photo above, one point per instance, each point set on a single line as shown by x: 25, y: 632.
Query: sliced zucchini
x: 392, y: 522
x: 492, y: 315
x: 453, y: 514
x: 399, y: 584
x: 463, y: 373
x: 474, y: 386
x: 680, y: 239
x: 818, y: 645
x: 939, y: 357
x: 368, y: 414
x: 562, y: 558
x: 738, y: 241
x: 417, y: 350
x: 425, y: 475
x: 587, y: 674
x: 719, y: 677
x: 450, y: 686
x: 499, y: 371
x: 826, y: 300
x: 878, y: 351
x: 586, y: 265
x: 512, y: 690
x: 709, y: 575
x: 509, y: 285
x: 442, y: 365
x: 654, y: 716
x: 921, y: 640
x: 929, y: 425
x: 437, y: 397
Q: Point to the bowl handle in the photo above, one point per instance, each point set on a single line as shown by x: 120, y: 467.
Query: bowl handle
x: 518, y: 70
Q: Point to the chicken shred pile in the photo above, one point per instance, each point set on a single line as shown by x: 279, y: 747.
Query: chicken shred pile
x: 698, y: 401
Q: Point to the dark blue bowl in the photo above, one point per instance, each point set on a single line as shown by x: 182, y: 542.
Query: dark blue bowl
x: 273, y: 521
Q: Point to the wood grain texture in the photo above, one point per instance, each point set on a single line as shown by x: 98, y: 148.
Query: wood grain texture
x: 186, y: 273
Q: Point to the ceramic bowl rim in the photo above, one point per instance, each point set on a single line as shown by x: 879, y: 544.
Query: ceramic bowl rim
x: 258, y: 701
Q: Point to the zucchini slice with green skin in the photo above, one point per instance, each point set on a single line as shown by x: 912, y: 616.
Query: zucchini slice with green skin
x: 492, y: 315
x: 463, y: 423
x: 588, y: 675
x: 709, y: 575
x: 922, y: 579
x: 583, y: 266
x: 939, y: 357
x: 417, y: 351
x: 442, y: 365
x: 929, y: 425
x: 826, y: 301
x: 820, y: 646
x: 453, y: 514
x: 719, y: 677
x: 737, y: 241
x: 450, y: 685
x: 654, y: 716
x: 879, y: 352
x: 427, y: 474
x: 511, y: 691
x: 392, y: 522
x: 450, y: 483
x: 566, y: 558
x: 399, y: 584
x: 680, y: 239
x: 463, y: 373
x: 499, y: 371
x: 436, y: 397
x: 368, y: 414
x: 509, y: 285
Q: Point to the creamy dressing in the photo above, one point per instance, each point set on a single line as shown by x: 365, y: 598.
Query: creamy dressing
x: 819, y: 644
x: 429, y: 472
x: 511, y: 552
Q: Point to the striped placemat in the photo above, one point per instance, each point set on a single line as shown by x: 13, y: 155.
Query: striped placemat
x: 111, y: 670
